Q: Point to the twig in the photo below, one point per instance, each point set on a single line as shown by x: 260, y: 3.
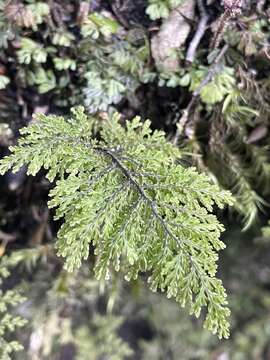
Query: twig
x: 211, y: 73
x: 202, y: 26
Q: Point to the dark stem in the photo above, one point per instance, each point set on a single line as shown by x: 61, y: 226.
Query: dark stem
x: 141, y: 191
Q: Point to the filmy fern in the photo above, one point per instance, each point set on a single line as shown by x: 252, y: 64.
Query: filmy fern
x: 127, y: 196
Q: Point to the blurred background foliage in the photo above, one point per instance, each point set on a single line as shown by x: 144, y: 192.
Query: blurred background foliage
x: 137, y: 57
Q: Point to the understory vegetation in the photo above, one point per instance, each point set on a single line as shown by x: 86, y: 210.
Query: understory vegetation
x: 135, y: 183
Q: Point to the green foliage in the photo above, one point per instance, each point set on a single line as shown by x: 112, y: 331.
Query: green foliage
x: 236, y: 176
x: 59, y: 54
x: 216, y: 90
x: 103, y: 342
x: 75, y: 295
x: 64, y: 64
x: 45, y: 80
x: 8, y: 322
x: 99, y: 25
x: 127, y: 196
x: 171, y: 324
x: 161, y: 8
x: 39, y: 11
x: 115, y: 66
x: 232, y: 156
x: 63, y: 38
x: 245, y: 167
x: 99, y: 66
x: 31, y: 50
x: 221, y: 86
x: 179, y: 337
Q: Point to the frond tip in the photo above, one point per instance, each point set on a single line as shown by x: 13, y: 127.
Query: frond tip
x: 127, y: 196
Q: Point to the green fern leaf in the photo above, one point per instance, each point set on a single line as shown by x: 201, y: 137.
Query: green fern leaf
x: 127, y: 196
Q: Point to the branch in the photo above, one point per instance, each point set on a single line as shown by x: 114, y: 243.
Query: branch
x: 199, y: 33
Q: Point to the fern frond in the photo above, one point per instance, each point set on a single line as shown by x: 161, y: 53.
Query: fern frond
x: 127, y: 195
x: 9, y: 323
x: 245, y: 168
x: 234, y: 176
